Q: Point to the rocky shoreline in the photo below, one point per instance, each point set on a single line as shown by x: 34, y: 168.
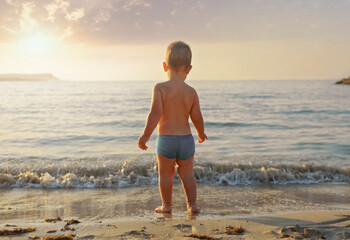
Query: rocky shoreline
x: 28, y: 77
x: 344, y: 81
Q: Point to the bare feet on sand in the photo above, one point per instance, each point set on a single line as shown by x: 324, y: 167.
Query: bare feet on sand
x: 192, y: 208
x: 163, y: 209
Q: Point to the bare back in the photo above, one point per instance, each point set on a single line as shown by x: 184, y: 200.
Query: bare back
x: 177, y: 101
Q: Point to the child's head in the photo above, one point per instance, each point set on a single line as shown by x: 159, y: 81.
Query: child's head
x: 178, y: 56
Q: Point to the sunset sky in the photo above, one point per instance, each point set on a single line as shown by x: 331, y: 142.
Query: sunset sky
x: 126, y: 40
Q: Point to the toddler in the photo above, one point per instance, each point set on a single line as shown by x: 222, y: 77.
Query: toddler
x: 173, y: 102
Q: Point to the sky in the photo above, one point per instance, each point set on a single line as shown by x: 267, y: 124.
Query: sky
x: 126, y: 40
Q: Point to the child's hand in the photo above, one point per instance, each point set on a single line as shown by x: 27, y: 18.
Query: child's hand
x: 142, y: 142
x: 202, y: 137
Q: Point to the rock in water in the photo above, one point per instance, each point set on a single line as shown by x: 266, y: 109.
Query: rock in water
x: 344, y: 81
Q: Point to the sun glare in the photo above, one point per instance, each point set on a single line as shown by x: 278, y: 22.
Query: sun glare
x: 38, y: 44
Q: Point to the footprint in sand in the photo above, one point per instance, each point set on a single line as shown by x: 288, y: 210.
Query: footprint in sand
x: 183, y: 227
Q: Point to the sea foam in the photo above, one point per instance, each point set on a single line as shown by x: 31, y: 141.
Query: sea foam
x: 142, y: 171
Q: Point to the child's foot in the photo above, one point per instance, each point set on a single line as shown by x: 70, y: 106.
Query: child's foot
x: 192, y: 208
x: 163, y: 209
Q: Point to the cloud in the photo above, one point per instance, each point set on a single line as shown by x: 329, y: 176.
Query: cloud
x: 56, y: 7
x: 128, y: 4
x: 10, y: 2
x: 159, y: 23
x: 104, y: 13
x: 9, y: 30
x: 75, y: 15
x: 197, y: 7
x: 26, y: 21
x: 54, y: 17
x: 52, y: 9
x: 67, y: 33
x: 102, y: 16
x: 113, y: 22
x: 61, y: 7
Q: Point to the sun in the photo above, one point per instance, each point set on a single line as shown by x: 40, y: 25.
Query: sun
x: 38, y: 44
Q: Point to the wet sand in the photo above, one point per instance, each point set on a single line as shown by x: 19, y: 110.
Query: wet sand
x: 265, y: 212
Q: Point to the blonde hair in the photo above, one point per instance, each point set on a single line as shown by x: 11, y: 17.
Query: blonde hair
x: 178, y: 54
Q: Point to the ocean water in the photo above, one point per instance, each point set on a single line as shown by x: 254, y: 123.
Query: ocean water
x: 84, y: 134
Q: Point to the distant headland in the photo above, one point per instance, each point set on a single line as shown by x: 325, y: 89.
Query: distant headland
x: 344, y: 81
x: 28, y: 77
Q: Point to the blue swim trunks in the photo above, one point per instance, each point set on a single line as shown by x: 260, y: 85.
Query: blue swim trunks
x: 176, y: 146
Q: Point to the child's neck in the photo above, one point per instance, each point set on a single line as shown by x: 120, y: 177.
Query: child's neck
x: 177, y: 76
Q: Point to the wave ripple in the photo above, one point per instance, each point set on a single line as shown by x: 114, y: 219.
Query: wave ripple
x: 141, y: 171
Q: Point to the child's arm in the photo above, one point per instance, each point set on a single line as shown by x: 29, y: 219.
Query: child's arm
x: 197, y: 119
x: 153, y: 117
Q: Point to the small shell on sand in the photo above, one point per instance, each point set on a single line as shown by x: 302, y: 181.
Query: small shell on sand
x: 73, y: 221
x: 67, y: 228
x: 53, y: 220
x: 230, y: 230
x: 34, y: 237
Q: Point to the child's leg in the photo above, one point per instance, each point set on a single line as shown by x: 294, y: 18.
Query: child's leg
x: 185, y: 171
x: 166, y: 171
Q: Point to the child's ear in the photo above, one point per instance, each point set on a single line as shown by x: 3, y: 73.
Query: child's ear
x: 165, y: 67
x: 188, y: 69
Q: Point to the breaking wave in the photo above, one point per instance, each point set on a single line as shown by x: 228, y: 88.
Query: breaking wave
x: 141, y: 171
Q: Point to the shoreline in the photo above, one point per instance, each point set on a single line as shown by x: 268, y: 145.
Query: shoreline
x: 265, y: 212
x: 140, y: 201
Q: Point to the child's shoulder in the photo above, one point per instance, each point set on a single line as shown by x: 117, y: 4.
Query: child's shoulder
x: 190, y: 89
x: 167, y: 86
x: 160, y: 84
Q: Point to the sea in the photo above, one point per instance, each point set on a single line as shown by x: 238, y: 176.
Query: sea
x: 273, y: 145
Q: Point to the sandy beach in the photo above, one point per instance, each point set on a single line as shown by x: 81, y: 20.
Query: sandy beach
x: 270, y: 212
x: 111, y: 109
x: 297, y: 225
